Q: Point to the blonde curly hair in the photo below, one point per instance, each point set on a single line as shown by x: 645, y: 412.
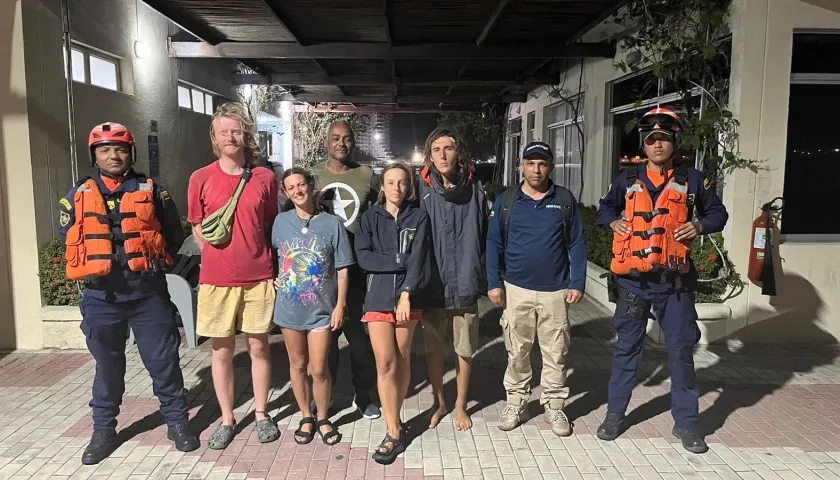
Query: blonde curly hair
x: 238, y: 111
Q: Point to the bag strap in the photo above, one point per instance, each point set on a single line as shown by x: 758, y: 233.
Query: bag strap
x: 246, y: 175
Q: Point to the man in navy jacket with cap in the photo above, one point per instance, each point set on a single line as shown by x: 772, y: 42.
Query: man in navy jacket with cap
x: 536, y: 267
x: 654, y: 269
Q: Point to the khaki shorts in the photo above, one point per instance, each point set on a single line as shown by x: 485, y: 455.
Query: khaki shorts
x: 461, y: 325
x: 224, y: 310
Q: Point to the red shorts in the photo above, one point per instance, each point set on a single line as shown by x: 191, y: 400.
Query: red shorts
x: 390, y: 317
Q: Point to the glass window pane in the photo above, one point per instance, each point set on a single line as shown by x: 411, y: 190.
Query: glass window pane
x: 626, y: 92
x: 556, y: 141
x: 103, y: 73
x: 208, y: 104
x: 184, y: 99
x: 812, y: 163
x: 198, y: 101
x: 815, y: 53
x: 78, y: 65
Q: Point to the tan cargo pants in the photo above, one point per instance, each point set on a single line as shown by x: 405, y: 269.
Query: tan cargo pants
x: 543, y: 316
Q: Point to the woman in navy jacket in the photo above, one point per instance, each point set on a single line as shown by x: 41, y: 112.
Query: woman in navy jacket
x: 392, y: 246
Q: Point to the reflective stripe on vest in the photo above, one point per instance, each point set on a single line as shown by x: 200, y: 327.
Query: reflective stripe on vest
x: 90, y: 250
x: 650, y: 245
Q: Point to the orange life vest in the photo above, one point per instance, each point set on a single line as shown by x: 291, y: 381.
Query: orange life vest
x: 90, y: 240
x: 650, y: 245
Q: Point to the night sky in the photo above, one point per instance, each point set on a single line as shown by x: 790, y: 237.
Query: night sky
x: 409, y: 130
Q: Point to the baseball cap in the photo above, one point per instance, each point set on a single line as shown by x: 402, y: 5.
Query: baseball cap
x: 539, y: 149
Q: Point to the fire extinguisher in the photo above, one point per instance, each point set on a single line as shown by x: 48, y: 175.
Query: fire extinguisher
x: 761, y: 248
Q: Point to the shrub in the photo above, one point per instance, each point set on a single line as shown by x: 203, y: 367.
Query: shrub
x: 55, y: 288
x: 707, y: 259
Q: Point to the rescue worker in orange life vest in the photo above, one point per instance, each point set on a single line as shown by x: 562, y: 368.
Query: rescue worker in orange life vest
x: 120, y: 230
x: 651, y: 267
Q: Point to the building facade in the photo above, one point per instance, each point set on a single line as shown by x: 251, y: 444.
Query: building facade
x: 784, y: 90
x: 121, y: 72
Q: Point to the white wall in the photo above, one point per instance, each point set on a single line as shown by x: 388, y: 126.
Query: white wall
x: 807, y: 307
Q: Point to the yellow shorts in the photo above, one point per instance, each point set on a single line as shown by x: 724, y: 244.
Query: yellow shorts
x: 461, y: 326
x: 224, y: 310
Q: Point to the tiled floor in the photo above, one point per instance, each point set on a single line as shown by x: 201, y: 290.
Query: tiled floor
x: 771, y: 412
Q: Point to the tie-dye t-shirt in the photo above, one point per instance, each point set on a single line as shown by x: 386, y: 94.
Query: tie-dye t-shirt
x: 307, y: 264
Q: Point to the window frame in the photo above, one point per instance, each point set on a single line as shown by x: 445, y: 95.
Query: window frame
x: 803, y: 238
x: 193, y: 89
x: 566, y: 125
x: 88, y: 52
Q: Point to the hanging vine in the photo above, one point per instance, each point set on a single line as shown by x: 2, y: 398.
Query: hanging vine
x: 686, y: 45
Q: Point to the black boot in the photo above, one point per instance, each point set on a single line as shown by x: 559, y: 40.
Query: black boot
x: 691, y: 439
x: 102, y: 444
x: 185, y: 440
x: 612, y: 427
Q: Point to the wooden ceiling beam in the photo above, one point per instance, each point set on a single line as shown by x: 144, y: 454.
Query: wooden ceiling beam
x: 383, y: 51
x: 384, y: 80
x: 401, y: 99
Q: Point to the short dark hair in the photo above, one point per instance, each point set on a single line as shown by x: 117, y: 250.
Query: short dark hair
x: 409, y: 194
x: 297, y: 171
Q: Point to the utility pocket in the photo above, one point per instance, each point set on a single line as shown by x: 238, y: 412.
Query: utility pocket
x: 144, y: 206
x: 75, y: 250
x: 677, y: 209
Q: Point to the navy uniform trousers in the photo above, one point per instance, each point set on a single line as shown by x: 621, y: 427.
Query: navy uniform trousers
x: 674, y: 308
x: 105, y: 326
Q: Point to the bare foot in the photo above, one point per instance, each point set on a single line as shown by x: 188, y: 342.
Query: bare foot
x: 438, y: 415
x: 462, y: 420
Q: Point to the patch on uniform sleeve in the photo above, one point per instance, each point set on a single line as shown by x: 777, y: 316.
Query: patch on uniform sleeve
x: 65, y: 203
x: 64, y: 219
x: 707, y: 182
x: 608, y: 191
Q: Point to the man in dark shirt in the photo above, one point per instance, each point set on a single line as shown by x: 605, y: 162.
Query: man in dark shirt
x: 535, y: 273
x: 670, y: 287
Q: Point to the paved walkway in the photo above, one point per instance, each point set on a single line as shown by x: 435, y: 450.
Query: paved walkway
x: 771, y: 413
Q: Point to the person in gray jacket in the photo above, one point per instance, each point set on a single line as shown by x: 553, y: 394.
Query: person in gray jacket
x: 458, y: 215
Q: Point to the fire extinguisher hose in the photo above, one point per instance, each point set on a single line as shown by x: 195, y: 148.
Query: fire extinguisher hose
x: 768, y: 276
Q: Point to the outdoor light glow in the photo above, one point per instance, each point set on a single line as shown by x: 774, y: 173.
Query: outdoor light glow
x: 141, y: 49
x: 417, y: 157
x: 377, y: 136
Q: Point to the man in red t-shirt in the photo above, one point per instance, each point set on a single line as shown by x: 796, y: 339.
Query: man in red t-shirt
x: 236, y: 289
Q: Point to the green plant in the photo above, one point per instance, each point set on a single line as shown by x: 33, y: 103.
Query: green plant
x: 55, y: 288
x: 718, y: 278
x: 485, y: 125
x: 683, y: 43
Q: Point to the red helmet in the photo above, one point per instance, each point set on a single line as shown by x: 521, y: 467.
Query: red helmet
x: 660, y: 120
x: 110, y: 132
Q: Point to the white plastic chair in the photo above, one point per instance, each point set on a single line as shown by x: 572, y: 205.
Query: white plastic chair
x: 185, y: 301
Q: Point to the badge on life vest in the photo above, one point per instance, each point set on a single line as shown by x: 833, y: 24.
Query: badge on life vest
x: 64, y: 219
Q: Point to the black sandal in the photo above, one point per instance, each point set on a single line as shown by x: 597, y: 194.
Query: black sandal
x: 332, y: 433
x: 307, y: 436
x: 391, y: 453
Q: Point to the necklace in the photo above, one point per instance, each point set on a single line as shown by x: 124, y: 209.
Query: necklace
x: 305, y: 229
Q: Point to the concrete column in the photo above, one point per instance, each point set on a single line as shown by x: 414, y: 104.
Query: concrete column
x: 20, y: 299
